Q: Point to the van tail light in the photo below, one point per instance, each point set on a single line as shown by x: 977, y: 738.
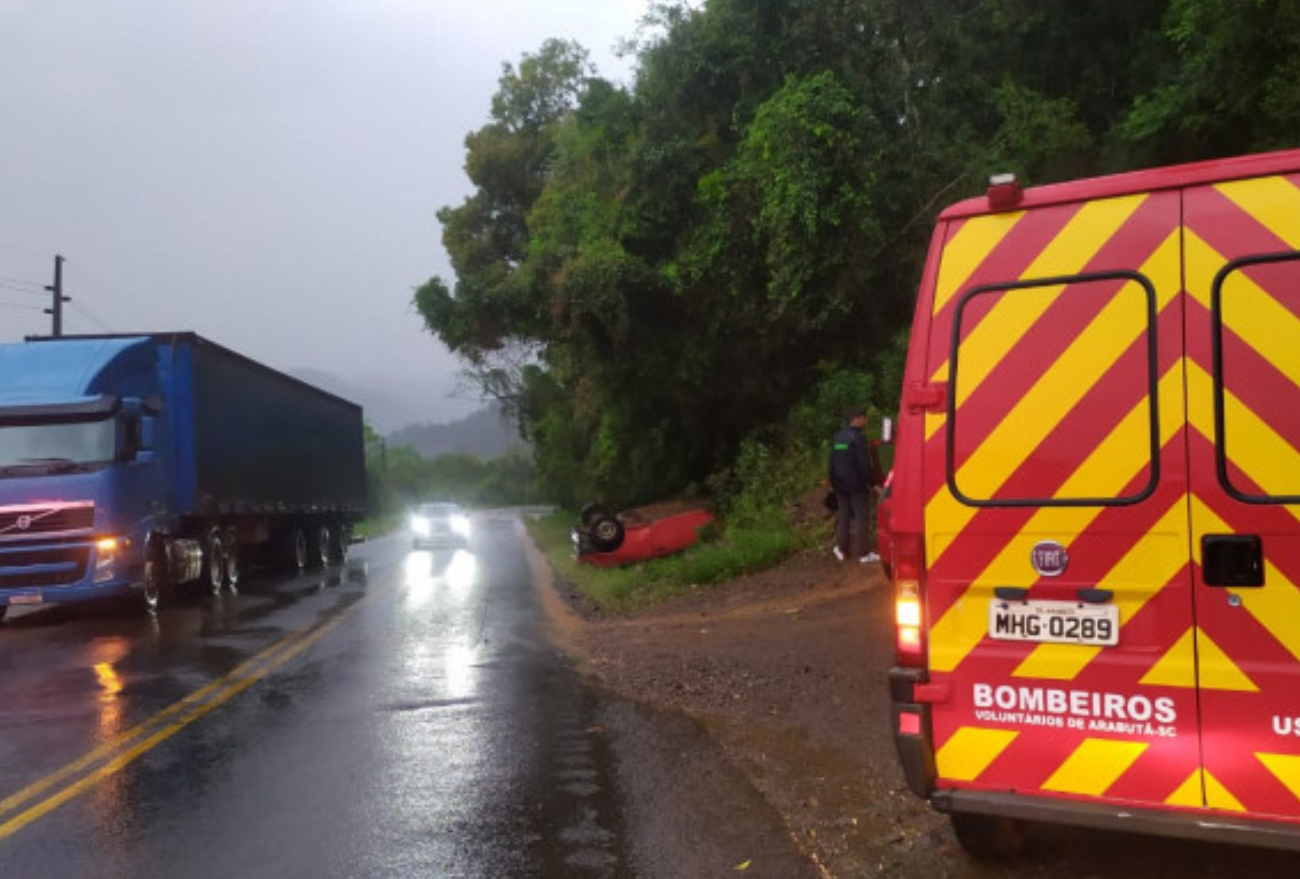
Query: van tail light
x: 909, y: 622
x: 909, y: 602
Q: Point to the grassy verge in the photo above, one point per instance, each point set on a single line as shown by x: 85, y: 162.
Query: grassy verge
x: 721, y: 557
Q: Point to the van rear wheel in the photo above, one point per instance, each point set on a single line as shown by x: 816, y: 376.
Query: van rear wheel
x: 988, y: 837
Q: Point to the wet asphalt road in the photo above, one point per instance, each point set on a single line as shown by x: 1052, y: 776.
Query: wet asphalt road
x: 412, y: 722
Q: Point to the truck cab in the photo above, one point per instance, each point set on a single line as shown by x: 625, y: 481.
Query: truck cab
x: 130, y: 463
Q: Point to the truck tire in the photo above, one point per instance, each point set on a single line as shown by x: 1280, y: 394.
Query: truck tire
x: 320, y: 547
x: 341, y: 541
x: 606, y: 533
x: 214, y: 560
x: 230, y: 561
x: 151, y: 583
x: 294, y: 549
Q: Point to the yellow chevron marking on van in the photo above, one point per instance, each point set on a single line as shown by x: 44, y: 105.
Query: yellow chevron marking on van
x: 1217, y: 796
x: 1094, y: 766
x: 1057, y: 392
x: 1269, y: 460
x: 1179, y: 666
x: 1216, y: 670
x: 1201, y: 262
x: 1067, y: 254
x: 1275, y: 607
x: 1286, y: 768
x: 1090, y: 356
x: 966, y: 622
x: 972, y: 244
x: 1148, y: 566
x: 1273, y: 201
x: 1271, y: 328
x: 970, y: 750
x: 1189, y: 793
x: 1196, y: 792
x: 1267, y: 326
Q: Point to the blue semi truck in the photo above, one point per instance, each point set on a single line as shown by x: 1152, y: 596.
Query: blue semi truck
x: 130, y: 464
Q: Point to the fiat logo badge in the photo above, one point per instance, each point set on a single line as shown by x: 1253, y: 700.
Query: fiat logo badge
x: 1049, y: 558
x: 24, y: 522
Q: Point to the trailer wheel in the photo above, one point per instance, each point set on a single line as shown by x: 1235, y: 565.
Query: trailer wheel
x: 214, y: 560
x: 339, y: 545
x: 230, y: 561
x: 320, y: 547
x: 151, y: 585
x: 606, y: 533
x: 296, y: 552
x: 988, y: 837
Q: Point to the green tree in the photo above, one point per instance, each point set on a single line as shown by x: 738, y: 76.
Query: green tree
x: 1229, y: 86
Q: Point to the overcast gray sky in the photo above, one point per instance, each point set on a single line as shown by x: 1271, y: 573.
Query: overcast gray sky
x: 263, y: 172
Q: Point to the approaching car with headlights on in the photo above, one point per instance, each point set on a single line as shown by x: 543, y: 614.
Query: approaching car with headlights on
x: 440, y: 524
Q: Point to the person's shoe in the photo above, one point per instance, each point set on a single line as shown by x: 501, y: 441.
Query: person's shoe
x: 839, y: 556
x: 869, y: 558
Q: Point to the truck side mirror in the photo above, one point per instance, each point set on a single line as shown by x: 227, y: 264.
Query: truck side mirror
x: 139, y: 433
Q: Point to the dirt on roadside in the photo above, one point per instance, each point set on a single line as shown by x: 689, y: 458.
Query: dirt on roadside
x: 786, y: 670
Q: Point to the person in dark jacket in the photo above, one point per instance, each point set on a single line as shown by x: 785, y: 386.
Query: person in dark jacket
x: 853, y: 478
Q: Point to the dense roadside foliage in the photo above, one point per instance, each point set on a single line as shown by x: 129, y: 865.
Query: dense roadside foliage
x: 676, y: 285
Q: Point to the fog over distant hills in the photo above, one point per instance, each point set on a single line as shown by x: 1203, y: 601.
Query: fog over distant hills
x: 486, y: 434
x: 391, y: 405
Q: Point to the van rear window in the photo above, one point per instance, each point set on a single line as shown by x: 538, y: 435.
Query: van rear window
x: 1255, y: 308
x: 1052, y: 397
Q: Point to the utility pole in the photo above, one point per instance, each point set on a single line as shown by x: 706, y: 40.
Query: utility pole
x: 59, y: 298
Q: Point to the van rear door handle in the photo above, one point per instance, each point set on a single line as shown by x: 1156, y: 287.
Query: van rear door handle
x: 1232, y: 560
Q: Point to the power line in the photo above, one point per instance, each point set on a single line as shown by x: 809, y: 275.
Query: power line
x: 88, y: 281
x: 21, y: 305
x: 20, y: 283
x: 17, y: 289
x: 86, y: 313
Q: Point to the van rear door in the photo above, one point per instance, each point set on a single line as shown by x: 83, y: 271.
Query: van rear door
x: 1243, y: 368
x: 1059, y: 577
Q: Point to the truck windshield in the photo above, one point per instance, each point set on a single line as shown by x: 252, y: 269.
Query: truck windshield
x: 57, y: 446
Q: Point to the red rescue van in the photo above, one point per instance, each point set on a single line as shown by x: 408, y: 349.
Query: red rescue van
x: 1096, y: 508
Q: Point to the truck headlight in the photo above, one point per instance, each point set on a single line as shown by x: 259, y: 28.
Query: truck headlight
x: 420, y: 525
x: 460, y: 525
x: 106, y: 555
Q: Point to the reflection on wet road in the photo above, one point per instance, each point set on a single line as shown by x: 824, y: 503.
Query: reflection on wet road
x: 412, y: 722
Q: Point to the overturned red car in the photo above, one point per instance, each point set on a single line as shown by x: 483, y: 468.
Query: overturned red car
x: 606, y: 541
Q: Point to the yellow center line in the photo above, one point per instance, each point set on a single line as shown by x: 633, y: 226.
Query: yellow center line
x: 130, y: 745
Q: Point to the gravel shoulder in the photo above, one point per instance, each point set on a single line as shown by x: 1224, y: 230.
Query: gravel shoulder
x: 787, y: 672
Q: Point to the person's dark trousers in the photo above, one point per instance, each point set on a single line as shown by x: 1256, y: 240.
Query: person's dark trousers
x: 852, y: 510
